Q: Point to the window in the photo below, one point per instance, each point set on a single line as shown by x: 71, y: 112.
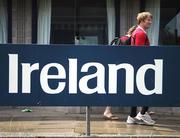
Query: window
x: 170, y: 23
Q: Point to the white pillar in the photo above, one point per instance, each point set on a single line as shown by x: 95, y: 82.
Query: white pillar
x: 44, y: 21
x: 128, y: 13
x: 111, y: 19
x: 21, y: 21
x: 153, y: 6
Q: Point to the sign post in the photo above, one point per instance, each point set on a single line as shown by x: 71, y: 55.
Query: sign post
x: 88, y: 119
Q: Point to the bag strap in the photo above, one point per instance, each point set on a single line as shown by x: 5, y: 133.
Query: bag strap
x: 115, y: 41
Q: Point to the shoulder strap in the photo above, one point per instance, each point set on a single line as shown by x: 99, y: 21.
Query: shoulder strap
x: 134, y: 39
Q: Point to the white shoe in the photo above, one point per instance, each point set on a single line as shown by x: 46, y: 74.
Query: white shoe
x: 146, y: 118
x: 134, y: 120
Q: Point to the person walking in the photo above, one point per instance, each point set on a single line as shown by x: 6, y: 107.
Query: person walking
x: 139, y: 38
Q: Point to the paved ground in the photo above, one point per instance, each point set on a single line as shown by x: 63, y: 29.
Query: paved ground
x: 48, y: 123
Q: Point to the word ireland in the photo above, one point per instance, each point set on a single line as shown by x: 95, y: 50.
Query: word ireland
x: 74, y: 83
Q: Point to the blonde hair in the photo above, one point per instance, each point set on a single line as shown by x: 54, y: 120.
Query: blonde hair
x: 142, y: 16
x: 131, y: 30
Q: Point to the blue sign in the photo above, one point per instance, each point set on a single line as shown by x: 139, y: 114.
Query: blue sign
x: 68, y: 75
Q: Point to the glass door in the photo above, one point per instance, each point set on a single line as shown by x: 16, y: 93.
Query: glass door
x: 79, y: 22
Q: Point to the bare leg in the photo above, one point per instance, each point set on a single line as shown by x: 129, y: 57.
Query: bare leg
x: 108, y: 112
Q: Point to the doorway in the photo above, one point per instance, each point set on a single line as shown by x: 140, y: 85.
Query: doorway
x: 170, y: 22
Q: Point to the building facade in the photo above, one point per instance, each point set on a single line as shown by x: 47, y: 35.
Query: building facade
x: 87, y: 22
